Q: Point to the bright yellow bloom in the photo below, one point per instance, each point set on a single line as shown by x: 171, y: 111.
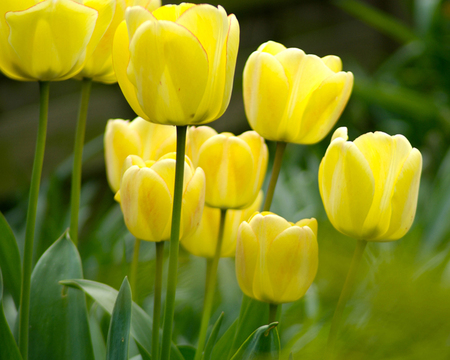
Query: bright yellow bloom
x: 176, y: 64
x: 235, y: 167
x: 204, y: 241
x: 276, y: 260
x: 99, y: 65
x: 293, y: 97
x: 369, y: 187
x: 146, y: 198
x: 138, y: 137
x: 49, y: 40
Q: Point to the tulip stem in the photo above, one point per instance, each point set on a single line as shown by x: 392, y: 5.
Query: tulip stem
x: 77, y: 159
x: 174, y: 244
x: 211, y: 271
x: 134, y: 268
x: 343, y: 298
x: 281, y: 146
x: 273, y: 308
x: 44, y: 89
x: 157, y: 298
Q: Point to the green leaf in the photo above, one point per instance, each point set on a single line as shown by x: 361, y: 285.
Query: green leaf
x: 263, y: 344
x: 98, y: 342
x: 222, y: 348
x: 9, y: 349
x: 212, y: 338
x: 291, y: 356
x: 119, y: 328
x: 10, y: 260
x: 59, y: 326
x: 187, y: 351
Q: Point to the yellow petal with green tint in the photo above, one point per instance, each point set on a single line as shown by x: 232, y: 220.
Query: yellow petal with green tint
x: 50, y: 38
x: 121, y: 58
x: 333, y: 62
x: 247, y: 254
x: 324, y: 108
x: 265, y: 89
x: 347, y: 187
x: 161, y: 51
x: 404, y: 199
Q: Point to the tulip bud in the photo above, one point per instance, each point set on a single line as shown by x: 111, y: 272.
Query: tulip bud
x: 235, y: 167
x: 276, y: 261
x: 175, y: 65
x: 50, y: 40
x: 146, y: 198
x: 369, y: 187
x: 203, y: 241
x: 138, y: 137
x: 293, y: 97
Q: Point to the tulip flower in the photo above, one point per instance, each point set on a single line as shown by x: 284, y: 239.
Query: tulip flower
x: 369, y: 187
x: 276, y: 261
x: 292, y: 97
x: 146, y: 196
x: 204, y: 240
x: 175, y: 65
x: 50, y: 40
x: 235, y: 167
x: 138, y: 137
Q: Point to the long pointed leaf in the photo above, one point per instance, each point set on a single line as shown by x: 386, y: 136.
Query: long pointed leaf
x: 212, y: 338
x: 119, y: 328
x: 59, y: 326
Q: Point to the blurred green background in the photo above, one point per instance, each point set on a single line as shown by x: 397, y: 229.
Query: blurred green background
x: 399, y: 52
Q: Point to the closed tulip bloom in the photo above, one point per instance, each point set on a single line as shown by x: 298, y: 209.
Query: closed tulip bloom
x: 51, y: 39
x: 235, y: 167
x: 293, y: 97
x: 175, y: 65
x: 146, y: 197
x: 138, y: 137
x: 276, y: 260
x: 203, y: 241
x: 369, y: 187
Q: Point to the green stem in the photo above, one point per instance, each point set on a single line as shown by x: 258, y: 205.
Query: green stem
x: 44, y: 88
x: 174, y: 244
x: 157, y: 298
x: 211, y: 271
x: 77, y: 159
x: 272, y: 313
x: 345, y: 295
x: 281, y: 146
x: 134, y: 269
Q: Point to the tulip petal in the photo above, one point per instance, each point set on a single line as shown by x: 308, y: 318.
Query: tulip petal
x: 347, y: 187
x: 50, y: 38
x: 311, y: 223
x: 271, y: 47
x: 265, y: 89
x: 121, y: 58
x: 196, y: 137
x: 193, y: 202
x: 171, y: 12
x: 135, y: 16
x: 333, y: 62
x: 247, y: 254
x: 161, y: 51
x: 325, y: 107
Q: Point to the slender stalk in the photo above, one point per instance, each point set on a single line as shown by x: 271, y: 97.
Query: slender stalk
x: 77, y: 159
x: 174, y: 244
x: 157, y: 298
x: 44, y: 88
x: 211, y: 270
x: 273, y: 308
x: 343, y: 298
x: 134, y: 268
x: 281, y: 146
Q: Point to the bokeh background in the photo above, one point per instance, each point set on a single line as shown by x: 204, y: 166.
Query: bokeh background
x: 399, y: 52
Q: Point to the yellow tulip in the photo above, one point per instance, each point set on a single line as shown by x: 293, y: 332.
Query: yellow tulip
x: 293, y: 97
x: 138, y: 137
x: 146, y: 198
x: 235, y: 167
x: 203, y: 241
x: 276, y: 260
x: 50, y: 40
x: 369, y: 187
x: 175, y: 65
x: 99, y: 65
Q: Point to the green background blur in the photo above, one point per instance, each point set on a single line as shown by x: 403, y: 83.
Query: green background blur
x: 399, y: 52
